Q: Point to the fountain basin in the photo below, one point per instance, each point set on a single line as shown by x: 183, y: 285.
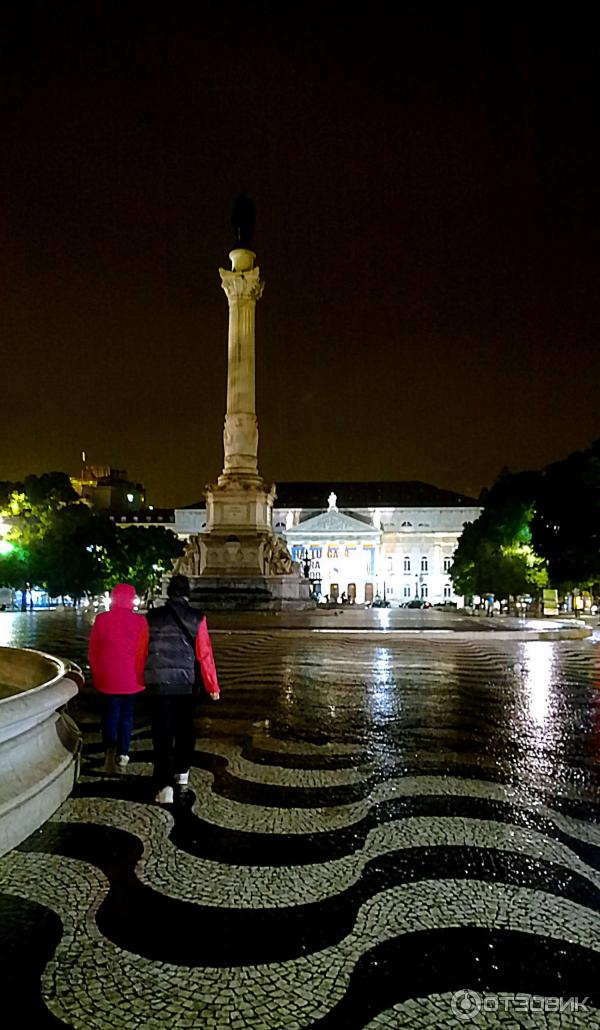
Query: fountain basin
x: 39, y: 742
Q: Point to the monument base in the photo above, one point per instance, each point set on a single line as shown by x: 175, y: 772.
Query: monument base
x: 250, y: 593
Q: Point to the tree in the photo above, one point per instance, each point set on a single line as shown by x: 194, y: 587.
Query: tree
x: 495, y: 553
x: 69, y: 558
x: 15, y: 569
x: 142, y: 556
x: 54, y: 540
x: 51, y: 490
x: 566, y: 524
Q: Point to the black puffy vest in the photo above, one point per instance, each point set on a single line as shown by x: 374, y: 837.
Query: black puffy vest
x: 171, y: 665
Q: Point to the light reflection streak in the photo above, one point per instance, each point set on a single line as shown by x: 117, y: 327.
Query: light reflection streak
x: 538, y: 664
x: 384, y: 697
x: 6, y: 628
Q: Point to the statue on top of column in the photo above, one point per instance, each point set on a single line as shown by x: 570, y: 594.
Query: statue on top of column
x: 242, y: 220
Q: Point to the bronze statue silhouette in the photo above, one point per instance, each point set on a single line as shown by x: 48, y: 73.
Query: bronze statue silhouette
x: 242, y: 220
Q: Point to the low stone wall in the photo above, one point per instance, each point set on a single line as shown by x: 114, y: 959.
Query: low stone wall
x: 250, y: 593
x: 39, y: 743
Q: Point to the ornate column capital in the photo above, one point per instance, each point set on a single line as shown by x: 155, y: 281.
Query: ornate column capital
x: 242, y: 286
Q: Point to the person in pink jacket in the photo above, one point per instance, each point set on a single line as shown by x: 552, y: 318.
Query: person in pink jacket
x: 117, y: 653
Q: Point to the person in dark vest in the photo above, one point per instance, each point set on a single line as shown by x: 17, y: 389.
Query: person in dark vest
x: 179, y: 643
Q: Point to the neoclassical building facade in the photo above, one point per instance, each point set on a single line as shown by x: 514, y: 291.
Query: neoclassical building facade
x: 390, y: 540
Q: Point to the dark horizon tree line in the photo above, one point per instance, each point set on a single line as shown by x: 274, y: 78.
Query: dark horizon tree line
x: 54, y: 540
x: 537, y: 529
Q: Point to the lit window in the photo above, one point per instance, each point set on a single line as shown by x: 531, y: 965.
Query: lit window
x: 424, y: 564
x: 407, y: 564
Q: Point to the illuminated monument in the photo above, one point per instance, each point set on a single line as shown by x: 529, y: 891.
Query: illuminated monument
x: 239, y: 561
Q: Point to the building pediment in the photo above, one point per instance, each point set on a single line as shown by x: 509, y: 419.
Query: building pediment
x: 335, y: 523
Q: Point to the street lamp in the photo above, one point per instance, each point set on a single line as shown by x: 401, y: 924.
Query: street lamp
x: 306, y: 564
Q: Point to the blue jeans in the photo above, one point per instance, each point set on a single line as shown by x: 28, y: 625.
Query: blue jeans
x: 117, y: 721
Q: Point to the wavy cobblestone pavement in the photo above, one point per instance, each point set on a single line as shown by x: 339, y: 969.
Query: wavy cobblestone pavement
x: 380, y: 832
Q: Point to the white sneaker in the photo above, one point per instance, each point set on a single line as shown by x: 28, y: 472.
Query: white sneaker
x: 182, y: 779
x: 122, y: 761
x: 164, y: 796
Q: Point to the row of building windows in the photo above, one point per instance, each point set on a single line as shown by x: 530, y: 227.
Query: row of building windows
x: 424, y: 564
x: 333, y: 552
x: 424, y: 591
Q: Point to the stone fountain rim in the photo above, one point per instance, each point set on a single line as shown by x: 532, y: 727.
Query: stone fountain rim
x: 58, y: 664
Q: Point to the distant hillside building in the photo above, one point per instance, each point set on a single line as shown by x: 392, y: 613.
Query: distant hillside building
x: 366, y: 540
x: 108, y: 489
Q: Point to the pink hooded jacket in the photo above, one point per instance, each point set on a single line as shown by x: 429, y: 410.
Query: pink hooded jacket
x: 119, y: 645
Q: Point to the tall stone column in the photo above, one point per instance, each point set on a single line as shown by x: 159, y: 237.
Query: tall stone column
x: 239, y: 561
x: 243, y: 287
x: 239, y: 505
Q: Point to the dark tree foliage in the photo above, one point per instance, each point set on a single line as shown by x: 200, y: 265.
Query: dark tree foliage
x: 142, y: 556
x: 51, y: 489
x: 494, y: 553
x: 566, y: 524
x: 61, y: 544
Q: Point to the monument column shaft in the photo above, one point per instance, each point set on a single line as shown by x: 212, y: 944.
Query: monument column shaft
x: 241, y: 396
x: 243, y: 287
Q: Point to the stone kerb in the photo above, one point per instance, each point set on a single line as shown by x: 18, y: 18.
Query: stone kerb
x: 39, y: 743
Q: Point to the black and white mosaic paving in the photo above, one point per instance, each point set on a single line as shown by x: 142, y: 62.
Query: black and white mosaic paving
x: 379, y: 833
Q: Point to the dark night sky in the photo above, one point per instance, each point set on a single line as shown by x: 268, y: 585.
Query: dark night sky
x: 426, y: 187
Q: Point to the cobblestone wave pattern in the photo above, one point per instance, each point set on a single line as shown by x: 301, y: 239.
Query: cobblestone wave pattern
x: 372, y: 829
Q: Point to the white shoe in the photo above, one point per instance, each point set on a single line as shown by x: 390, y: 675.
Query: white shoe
x: 182, y: 779
x: 122, y: 761
x: 164, y: 796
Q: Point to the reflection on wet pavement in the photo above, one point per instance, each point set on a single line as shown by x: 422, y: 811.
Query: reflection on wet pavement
x: 376, y: 827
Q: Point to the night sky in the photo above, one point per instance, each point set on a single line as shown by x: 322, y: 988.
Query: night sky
x: 426, y: 184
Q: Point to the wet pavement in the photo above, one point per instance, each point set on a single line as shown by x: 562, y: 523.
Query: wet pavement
x: 383, y: 830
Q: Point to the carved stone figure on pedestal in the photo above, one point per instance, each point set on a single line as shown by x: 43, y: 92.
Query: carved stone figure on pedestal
x: 189, y: 563
x: 277, y: 558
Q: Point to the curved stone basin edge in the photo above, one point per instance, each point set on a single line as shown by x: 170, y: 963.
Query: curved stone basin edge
x: 39, y: 742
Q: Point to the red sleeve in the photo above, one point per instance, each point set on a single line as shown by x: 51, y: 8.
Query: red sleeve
x: 204, y: 654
